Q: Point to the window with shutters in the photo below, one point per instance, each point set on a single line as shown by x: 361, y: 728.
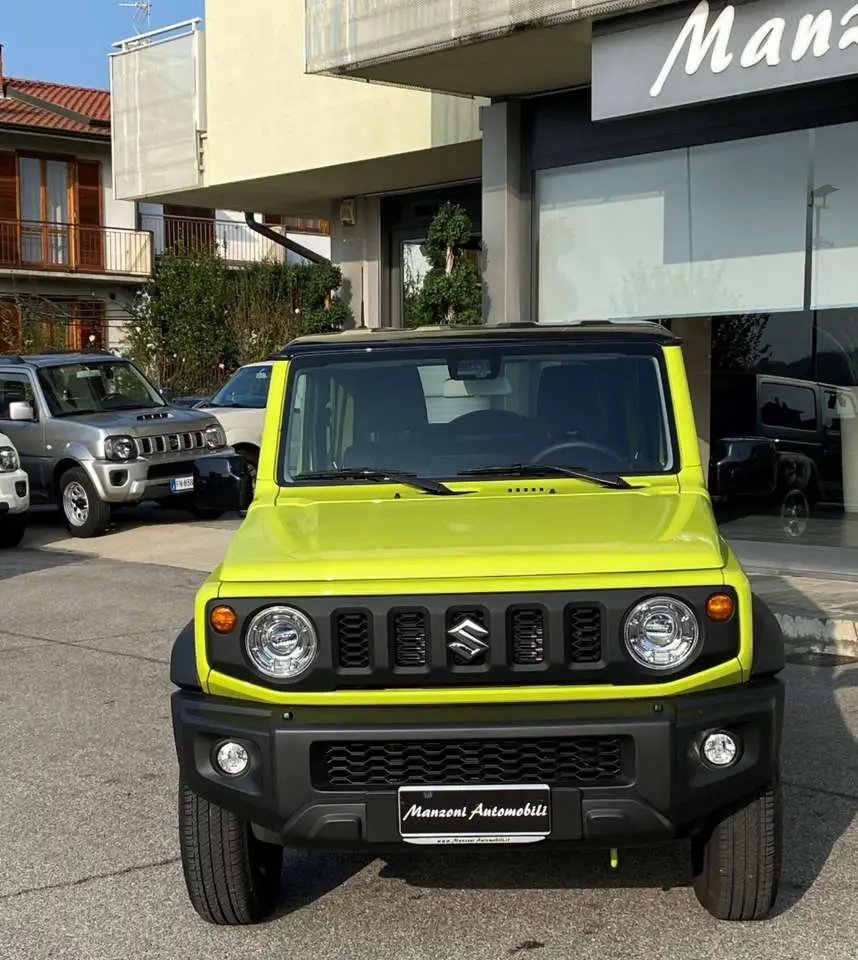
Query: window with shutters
x: 50, y: 212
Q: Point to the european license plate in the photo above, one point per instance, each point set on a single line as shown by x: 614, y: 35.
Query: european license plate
x: 178, y: 484
x: 486, y: 814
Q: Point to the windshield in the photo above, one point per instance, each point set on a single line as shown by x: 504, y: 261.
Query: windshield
x: 247, y: 387
x: 97, y: 387
x: 441, y: 411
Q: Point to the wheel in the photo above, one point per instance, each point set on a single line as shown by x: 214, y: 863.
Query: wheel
x: 232, y: 877
x: 85, y: 513
x: 251, y: 457
x: 12, y: 530
x: 737, y: 865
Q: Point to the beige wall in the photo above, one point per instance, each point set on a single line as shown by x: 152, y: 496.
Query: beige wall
x: 266, y: 117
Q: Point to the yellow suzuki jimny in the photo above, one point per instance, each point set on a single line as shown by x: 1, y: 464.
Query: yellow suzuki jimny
x: 478, y: 596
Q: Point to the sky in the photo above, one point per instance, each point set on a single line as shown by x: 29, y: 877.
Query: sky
x: 67, y: 41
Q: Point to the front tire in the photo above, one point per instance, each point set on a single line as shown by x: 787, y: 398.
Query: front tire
x: 12, y: 530
x: 232, y: 877
x: 737, y: 864
x: 85, y: 513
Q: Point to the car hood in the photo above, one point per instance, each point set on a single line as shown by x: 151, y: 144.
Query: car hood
x: 145, y: 421
x: 419, y: 537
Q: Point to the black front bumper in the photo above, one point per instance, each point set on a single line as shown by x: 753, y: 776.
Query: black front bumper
x: 637, y: 776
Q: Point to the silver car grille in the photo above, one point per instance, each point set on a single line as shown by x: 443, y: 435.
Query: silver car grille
x: 170, y: 443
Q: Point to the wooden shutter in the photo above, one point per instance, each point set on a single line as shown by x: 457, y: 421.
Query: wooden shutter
x: 87, y: 319
x: 9, y: 227
x: 90, y: 236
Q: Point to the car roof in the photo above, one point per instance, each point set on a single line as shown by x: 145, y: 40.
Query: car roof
x: 57, y: 359
x: 510, y: 333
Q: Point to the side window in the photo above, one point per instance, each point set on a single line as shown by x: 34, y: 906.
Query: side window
x: 787, y: 406
x: 15, y: 388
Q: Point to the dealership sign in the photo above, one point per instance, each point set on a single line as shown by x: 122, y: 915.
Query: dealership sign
x: 713, y: 51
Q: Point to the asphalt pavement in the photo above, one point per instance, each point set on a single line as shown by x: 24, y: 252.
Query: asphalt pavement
x: 89, y: 862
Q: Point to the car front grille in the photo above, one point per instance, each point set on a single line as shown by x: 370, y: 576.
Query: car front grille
x: 557, y: 761
x: 170, y: 443
x: 527, y: 632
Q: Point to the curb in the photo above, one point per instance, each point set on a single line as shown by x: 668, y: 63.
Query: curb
x: 832, y: 635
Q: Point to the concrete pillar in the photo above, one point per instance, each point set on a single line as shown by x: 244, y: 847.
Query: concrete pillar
x: 696, y: 333
x: 506, y: 216
x: 356, y: 249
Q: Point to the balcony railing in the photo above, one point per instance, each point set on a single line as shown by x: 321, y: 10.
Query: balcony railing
x: 72, y: 248
x: 232, y: 240
x: 346, y: 35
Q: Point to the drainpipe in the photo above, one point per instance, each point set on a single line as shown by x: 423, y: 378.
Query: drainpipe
x: 269, y: 234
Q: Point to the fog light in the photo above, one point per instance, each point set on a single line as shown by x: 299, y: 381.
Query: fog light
x: 232, y: 758
x: 720, y: 749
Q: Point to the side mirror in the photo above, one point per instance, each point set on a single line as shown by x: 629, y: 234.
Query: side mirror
x: 744, y: 467
x: 222, y: 482
x: 21, y: 410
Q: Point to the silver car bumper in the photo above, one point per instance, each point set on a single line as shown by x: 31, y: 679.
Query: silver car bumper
x: 155, y: 479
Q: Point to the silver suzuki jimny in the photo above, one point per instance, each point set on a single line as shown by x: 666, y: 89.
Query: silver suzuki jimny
x: 93, y: 433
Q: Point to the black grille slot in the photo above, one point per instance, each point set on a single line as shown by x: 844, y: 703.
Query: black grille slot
x: 456, y: 618
x: 410, y: 638
x: 526, y: 633
x: 352, y: 639
x: 568, y: 761
x: 584, y: 634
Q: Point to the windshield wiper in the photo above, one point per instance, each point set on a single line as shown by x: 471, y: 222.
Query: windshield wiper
x: 380, y: 476
x: 548, y: 470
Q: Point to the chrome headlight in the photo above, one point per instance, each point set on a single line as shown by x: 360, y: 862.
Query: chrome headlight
x: 9, y: 459
x: 281, y: 642
x: 215, y: 437
x: 120, y: 449
x: 662, y: 633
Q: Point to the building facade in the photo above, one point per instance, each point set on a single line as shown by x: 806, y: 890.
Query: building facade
x: 689, y: 163
x: 71, y: 254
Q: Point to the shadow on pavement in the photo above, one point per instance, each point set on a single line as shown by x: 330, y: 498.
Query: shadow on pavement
x: 308, y: 877
x: 23, y: 560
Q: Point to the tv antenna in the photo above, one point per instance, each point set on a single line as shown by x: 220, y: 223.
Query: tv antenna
x: 142, y: 15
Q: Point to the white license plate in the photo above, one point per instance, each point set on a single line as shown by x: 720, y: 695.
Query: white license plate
x: 481, y: 814
x: 177, y: 484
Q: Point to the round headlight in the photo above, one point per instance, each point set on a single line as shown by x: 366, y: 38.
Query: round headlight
x: 662, y: 633
x: 215, y: 437
x: 120, y: 448
x: 9, y: 459
x: 281, y: 642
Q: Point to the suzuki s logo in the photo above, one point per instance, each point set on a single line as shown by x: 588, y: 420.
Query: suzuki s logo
x: 468, y: 639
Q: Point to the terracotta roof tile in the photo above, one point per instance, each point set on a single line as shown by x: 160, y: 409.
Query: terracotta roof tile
x: 92, y: 103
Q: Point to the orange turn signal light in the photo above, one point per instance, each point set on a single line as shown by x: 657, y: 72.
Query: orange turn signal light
x: 720, y: 607
x: 223, y: 619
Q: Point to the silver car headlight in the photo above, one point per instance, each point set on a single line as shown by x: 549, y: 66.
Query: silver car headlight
x: 281, y: 642
x: 661, y: 633
x: 215, y: 437
x: 120, y: 449
x: 9, y: 460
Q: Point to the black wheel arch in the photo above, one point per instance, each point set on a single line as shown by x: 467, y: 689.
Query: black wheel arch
x: 769, y: 644
x: 183, y: 660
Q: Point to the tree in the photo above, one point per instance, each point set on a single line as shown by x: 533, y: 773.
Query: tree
x: 452, y: 289
x: 198, y: 319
